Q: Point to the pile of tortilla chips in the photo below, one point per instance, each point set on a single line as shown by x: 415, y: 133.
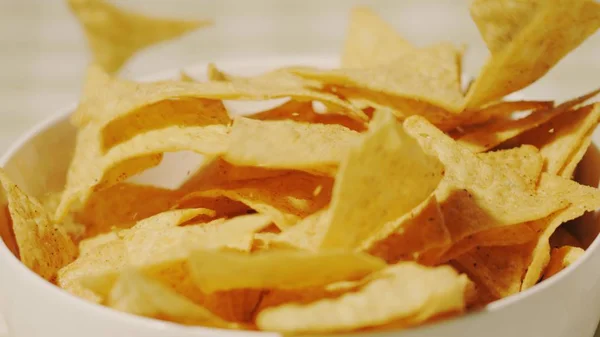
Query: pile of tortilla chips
x: 404, y: 200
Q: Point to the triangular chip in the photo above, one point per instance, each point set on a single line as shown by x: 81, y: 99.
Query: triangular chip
x: 114, y: 35
x: 370, y: 41
x: 44, y: 246
x: 381, y: 180
x: 523, y: 44
x: 476, y: 197
x: 427, y: 292
x: 289, y: 145
x: 428, y: 75
x: 215, y: 271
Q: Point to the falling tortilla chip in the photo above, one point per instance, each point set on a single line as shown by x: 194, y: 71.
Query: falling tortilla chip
x: 44, y: 246
x: 427, y: 292
x: 370, y: 41
x: 523, y: 44
x: 214, y: 271
x: 115, y: 35
x: 314, y: 148
x: 561, y: 258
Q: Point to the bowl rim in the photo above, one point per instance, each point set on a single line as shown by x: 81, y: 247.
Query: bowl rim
x: 62, y: 116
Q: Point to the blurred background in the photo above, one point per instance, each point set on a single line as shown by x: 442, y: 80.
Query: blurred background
x: 43, y: 53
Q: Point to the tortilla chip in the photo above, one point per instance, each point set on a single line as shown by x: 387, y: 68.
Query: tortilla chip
x: 564, y: 139
x: 428, y: 292
x: 561, y: 258
x: 122, y: 205
x: 524, y: 46
x: 115, y: 35
x: 214, y: 271
x: 103, y: 95
x: 503, y: 109
x: 135, y: 293
x: 132, y: 157
x: 44, y: 246
x: 429, y: 75
x: 421, y: 230
x: 476, y: 197
x: 499, y: 269
x: 525, y: 160
x: 286, y: 198
x: 181, y: 112
x: 494, y: 134
x: 370, y: 41
x: 381, y: 180
x: 582, y: 199
x: 286, y: 144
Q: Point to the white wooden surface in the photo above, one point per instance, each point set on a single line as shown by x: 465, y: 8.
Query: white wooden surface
x: 43, y: 54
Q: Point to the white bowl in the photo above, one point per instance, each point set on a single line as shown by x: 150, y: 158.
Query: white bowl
x: 565, y: 305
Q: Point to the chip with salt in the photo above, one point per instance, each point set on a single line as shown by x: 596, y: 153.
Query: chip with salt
x: 43, y: 245
x: 214, y: 271
x: 114, y: 35
x: 427, y: 292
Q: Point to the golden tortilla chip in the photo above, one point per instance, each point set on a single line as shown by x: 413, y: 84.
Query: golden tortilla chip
x: 429, y: 75
x: 180, y: 112
x: 286, y: 198
x: 306, y: 234
x: 561, y: 258
x: 214, y: 271
x: 289, y: 145
x: 525, y: 160
x: 381, y: 180
x: 6, y: 230
x: 564, y: 139
x: 427, y: 292
x: 582, y: 199
x: 114, y: 35
x: 503, y: 109
x: 135, y: 293
x: 370, y: 41
x: 476, y: 197
x: 421, y: 230
x: 499, y: 269
x: 44, y: 246
x: 526, y: 39
x: 132, y: 157
x: 122, y: 205
x: 493, y: 134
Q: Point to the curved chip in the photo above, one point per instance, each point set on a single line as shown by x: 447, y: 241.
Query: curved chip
x: 425, y: 292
